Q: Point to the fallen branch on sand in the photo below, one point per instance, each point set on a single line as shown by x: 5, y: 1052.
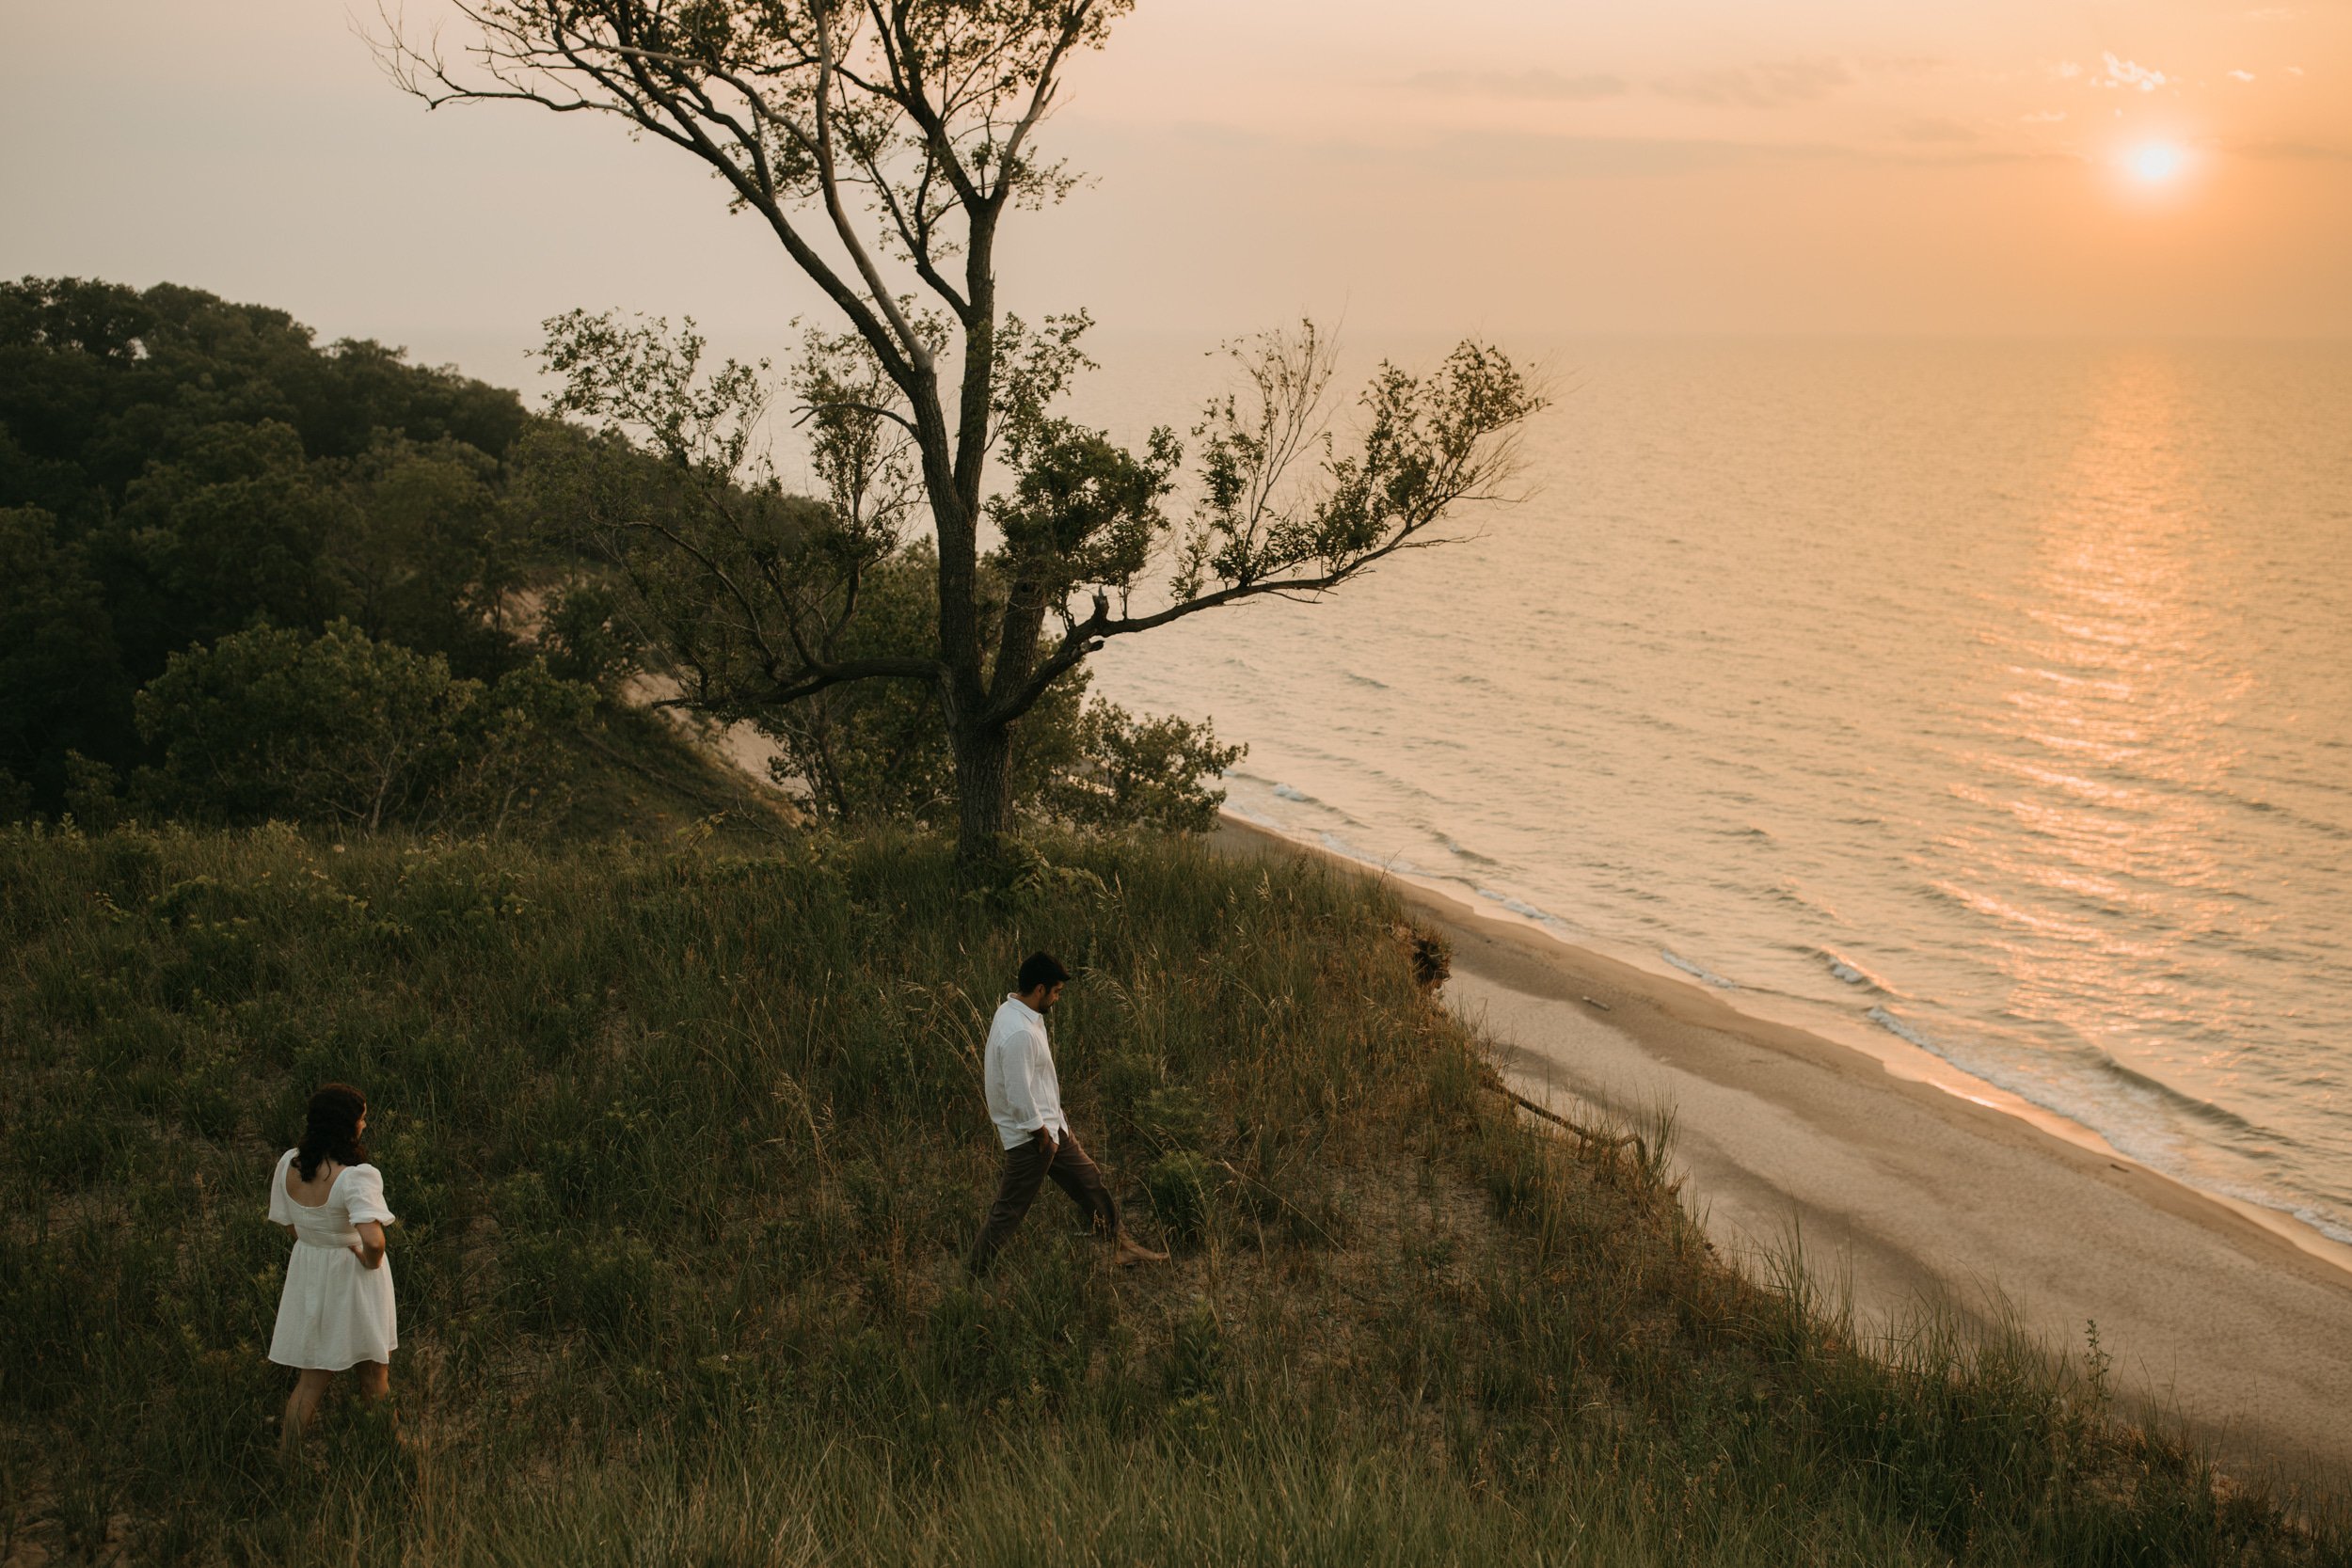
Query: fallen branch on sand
x: 1590, y: 1135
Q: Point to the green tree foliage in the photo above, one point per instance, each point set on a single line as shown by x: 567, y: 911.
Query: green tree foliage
x: 432, y: 554
x: 1132, y: 769
x: 879, y: 749
x: 587, y: 635
x: 230, y: 530
x: 98, y: 380
x: 338, y: 728
x: 175, y: 468
x: 61, y: 685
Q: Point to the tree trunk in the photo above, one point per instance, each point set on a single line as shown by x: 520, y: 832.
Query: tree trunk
x: 983, y: 791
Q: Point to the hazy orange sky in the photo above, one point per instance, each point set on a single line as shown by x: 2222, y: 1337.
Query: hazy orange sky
x: 1513, y: 166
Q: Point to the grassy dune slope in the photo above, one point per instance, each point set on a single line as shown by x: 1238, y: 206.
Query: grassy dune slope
x: 637, y: 776
x: 686, y: 1147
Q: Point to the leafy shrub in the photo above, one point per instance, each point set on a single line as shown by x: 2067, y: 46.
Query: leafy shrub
x: 342, y: 729
x: 1129, y: 771
x: 587, y: 639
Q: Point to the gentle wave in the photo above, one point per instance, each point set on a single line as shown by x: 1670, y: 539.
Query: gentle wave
x: 1690, y: 966
x: 1846, y: 972
x: 1516, y: 905
x: 1896, y: 1027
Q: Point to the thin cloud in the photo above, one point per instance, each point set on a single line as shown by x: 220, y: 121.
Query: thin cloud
x: 2241, y: 75
x: 1543, y: 85
x: 2127, y: 74
x: 1759, y: 87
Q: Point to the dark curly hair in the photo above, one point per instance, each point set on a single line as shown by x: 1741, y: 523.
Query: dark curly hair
x: 1039, y: 969
x: 330, y: 1130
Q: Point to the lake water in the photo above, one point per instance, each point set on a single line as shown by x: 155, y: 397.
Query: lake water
x: 1994, y: 699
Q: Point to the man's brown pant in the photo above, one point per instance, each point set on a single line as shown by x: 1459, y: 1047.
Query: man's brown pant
x: 1027, y: 1167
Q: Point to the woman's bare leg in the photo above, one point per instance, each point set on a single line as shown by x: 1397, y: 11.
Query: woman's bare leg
x: 376, y: 1379
x: 302, y: 1406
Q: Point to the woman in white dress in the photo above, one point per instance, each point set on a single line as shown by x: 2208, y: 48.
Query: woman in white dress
x: 337, y: 1311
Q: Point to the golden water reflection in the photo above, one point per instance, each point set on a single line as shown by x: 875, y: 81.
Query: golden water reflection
x: 2106, y: 739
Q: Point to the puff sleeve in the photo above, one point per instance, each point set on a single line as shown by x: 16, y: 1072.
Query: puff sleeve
x: 363, y: 1195
x: 281, y: 1206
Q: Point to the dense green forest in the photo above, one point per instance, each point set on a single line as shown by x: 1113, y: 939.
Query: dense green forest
x: 245, y: 576
x: 183, y: 479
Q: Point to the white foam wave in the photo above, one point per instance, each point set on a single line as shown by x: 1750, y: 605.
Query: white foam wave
x: 1690, y: 967
x: 1895, y: 1026
x: 1517, y: 906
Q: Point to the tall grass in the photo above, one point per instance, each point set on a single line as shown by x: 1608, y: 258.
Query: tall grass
x: 687, y: 1147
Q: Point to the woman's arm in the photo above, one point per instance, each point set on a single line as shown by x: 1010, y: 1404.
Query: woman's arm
x: 371, y: 1248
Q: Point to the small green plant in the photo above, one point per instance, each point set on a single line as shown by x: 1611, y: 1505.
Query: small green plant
x: 1197, y: 1355
x: 1174, y: 1117
x: 607, y: 1286
x: 2096, y: 1365
x: 1183, y: 1188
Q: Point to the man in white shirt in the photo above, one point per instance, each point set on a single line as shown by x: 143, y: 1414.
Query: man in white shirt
x: 1025, y: 1100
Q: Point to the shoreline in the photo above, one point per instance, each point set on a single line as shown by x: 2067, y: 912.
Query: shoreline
x: 1901, y: 1186
x: 1899, y: 1059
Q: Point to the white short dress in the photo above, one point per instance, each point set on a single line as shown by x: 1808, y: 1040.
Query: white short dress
x: 336, y: 1312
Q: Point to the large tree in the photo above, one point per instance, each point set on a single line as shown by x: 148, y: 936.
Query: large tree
x: 884, y: 143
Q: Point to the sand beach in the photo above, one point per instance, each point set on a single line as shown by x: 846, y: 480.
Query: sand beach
x: 1900, y: 1189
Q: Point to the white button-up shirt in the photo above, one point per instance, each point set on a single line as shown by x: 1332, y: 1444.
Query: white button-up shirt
x: 1023, y: 1093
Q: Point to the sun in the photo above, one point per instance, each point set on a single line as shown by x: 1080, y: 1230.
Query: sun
x: 2156, y: 163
